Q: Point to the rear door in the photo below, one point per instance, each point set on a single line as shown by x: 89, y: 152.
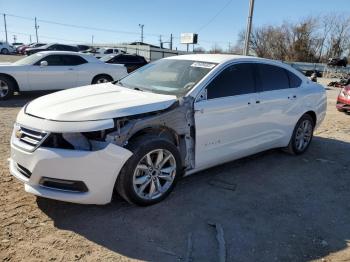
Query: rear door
x: 277, y: 104
x: 225, y: 117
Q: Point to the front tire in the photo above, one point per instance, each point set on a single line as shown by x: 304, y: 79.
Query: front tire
x: 302, y: 135
x: 152, y: 171
x: 7, y: 87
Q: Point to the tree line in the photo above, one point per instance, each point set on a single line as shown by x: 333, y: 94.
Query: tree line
x: 312, y: 39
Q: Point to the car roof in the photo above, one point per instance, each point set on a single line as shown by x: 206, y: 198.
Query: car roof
x: 221, y: 58
x: 87, y: 57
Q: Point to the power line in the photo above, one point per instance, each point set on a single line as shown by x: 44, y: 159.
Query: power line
x: 214, y: 17
x: 45, y: 37
x: 80, y: 26
x: 110, y: 30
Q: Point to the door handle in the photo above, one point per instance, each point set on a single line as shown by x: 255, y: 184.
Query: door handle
x: 257, y: 102
x: 199, y: 110
x: 70, y: 69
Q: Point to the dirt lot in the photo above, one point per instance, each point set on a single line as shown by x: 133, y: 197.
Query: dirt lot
x: 272, y: 207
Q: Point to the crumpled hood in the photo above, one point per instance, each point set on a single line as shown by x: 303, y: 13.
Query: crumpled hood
x: 96, y: 102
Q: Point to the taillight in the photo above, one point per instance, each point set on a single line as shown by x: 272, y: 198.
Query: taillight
x: 345, y: 91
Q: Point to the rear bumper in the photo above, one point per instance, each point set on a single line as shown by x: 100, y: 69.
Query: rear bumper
x: 98, y: 170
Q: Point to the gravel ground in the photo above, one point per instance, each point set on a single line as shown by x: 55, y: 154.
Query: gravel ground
x: 271, y: 207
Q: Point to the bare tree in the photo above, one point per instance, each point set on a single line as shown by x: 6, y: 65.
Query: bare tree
x: 199, y: 49
x: 216, y: 49
x: 311, y: 39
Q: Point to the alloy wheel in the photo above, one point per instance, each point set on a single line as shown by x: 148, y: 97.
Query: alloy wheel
x: 154, y: 174
x: 102, y: 80
x: 303, y: 135
x: 4, y: 88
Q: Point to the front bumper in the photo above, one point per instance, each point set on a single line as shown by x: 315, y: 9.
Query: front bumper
x: 343, y: 104
x: 97, y: 169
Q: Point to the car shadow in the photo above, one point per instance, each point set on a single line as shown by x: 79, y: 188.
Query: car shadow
x: 271, y: 206
x: 19, y: 100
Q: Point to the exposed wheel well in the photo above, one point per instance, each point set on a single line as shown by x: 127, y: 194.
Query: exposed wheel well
x: 99, y: 75
x: 13, y: 79
x: 163, y: 132
x: 313, y: 116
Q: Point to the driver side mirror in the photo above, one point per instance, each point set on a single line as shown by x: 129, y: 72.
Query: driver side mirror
x: 43, y: 63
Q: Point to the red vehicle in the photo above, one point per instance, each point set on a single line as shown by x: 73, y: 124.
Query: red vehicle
x: 343, y: 101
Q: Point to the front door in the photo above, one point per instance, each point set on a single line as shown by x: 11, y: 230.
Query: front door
x: 56, y: 75
x: 226, y: 119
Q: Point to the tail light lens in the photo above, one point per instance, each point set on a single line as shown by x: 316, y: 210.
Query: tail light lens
x: 345, y: 91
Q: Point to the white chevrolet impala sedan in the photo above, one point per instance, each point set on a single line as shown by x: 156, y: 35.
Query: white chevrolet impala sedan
x: 170, y: 118
x: 53, y: 70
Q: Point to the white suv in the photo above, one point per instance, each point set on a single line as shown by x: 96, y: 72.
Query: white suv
x: 6, y: 49
x: 172, y: 117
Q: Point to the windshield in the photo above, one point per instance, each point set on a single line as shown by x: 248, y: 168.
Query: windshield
x: 106, y: 58
x: 29, y: 60
x: 44, y: 46
x: 168, y: 76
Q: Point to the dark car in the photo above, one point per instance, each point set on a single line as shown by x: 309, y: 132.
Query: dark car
x: 131, y: 62
x: 338, y: 62
x: 52, y: 47
x: 83, y: 47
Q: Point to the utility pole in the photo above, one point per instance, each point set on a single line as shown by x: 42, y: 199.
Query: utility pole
x: 249, y: 27
x: 36, y: 31
x: 5, y: 27
x: 14, y: 38
x: 92, y: 40
x: 171, y: 42
x: 30, y: 38
x: 160, y: 41
x: 229, y: 47
x: 141, y: 26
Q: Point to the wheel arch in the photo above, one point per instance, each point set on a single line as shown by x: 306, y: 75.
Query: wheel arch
x: 161, y: 131
x: 101, y: 74
x: 165, y: 133
x: 13, y: 79
x: 313, y: 116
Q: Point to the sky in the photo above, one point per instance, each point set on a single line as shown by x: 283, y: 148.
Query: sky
x: 216, y: 22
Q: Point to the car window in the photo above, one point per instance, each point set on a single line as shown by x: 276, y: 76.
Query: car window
x: 168, y: 76
x: 52, y: 60
x: 235, y: 80
x: 108, y: 51
x: 272, y: 77
x: 121, y: 59
x: 72, y: 60
x: 53, y: 47
x: 294, y: 81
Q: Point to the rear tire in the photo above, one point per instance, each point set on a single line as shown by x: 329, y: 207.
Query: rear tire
x: 302, y: 135
x: 99, y: 79
x: 151, y: 173
x: 5, y: 51
x: 7, y: 87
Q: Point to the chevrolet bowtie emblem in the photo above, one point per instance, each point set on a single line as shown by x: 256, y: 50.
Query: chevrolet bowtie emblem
x: 18, y: 133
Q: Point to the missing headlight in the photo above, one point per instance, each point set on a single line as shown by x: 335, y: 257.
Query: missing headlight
x: 78, y: 141
x: 87, y: 141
